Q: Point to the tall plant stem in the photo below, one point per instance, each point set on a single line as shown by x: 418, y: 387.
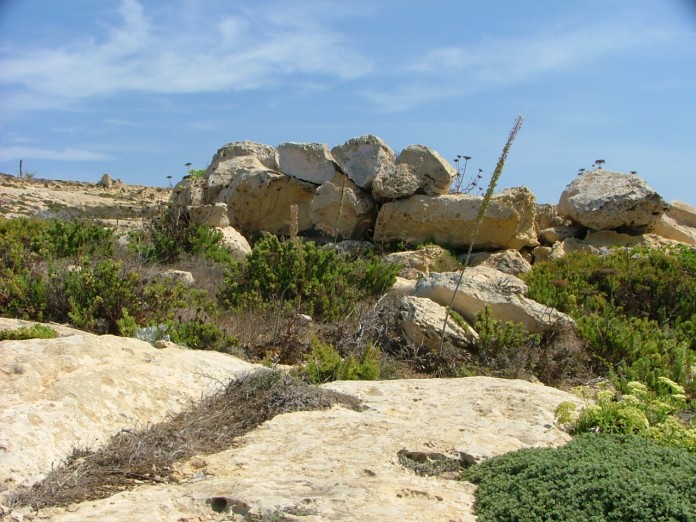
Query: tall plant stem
x: 479, y: 219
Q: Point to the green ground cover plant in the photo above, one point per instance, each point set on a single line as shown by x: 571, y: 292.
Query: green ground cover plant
x: 36, y: 331
x: 594, y: 478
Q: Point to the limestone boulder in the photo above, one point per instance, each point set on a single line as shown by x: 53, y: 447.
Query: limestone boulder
x: 340, y: 464
x: 421, y: 324
x: 235, y: 242
x: 180, y: 276
x: 188, y: 192
x: 418, y: 169
x: 211, y: 215
x: 259, y: 199
x: 546, y: 216
x: 416, y: 263
x: 551, y: 235
x: 364, y: 158
x: 267, y: 155
x: 601, y: 200
x: 451, y: 219
x: 502, y: 293
x: 310, y: 162
x: 398, y: 183
x: 507, y: 261
x: 341, y: 207
x: 682, y: 214
x: 669, y: 228
x: 79, y: 389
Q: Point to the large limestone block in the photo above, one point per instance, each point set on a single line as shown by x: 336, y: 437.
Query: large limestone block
x: 669, y: 228
x: 682, y: 213
x: 451, y: 219
x: 259, y: 199
x: 210, y: 215
x: 421, y: 323
x: 546, y: 216
x: 600, y: 200
x: 79, y: 389
x: 267, y: 155
x: 188, y: 192
x: 341, y: 207
x: 307, y: 161
x: 235, y: 242
x: 341, y: 465
x: 507, y: 261
x: 418, y: 262
x: 418, y: 169
x: 502, y: 293
x: 363, y: 158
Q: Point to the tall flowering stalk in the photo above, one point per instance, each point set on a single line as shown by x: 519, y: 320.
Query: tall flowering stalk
x: 479, y: 218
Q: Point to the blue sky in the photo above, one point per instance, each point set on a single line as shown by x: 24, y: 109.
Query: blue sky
x: 138, y: 88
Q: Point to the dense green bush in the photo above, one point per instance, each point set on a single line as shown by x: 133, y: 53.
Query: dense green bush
x: 324, y: 364
x: 593, y: 478
x: 171, y: 233
x: 318, y: 281
x: 36, y: 331
x: 635, y: 307
x: 641, y: 412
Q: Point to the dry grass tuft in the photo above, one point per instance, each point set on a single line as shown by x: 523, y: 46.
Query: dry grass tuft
x: 134, y: 457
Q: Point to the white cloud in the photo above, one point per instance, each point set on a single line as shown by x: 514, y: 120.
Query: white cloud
x: 37, y: 153
x: 251, y: 48
x: 499, y: 63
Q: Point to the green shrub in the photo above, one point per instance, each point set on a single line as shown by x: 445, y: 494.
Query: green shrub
x: 318, y: 281
x: 198, y: 334
x: 36, y: 331
x: 640, y: 411
x: 324, y: 364
x: 593, y: 478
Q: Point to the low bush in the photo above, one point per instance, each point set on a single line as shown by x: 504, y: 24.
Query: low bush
x: 317, y: 281
x: 594, y: 478
x: 324, y: 364
x: 36, y: 331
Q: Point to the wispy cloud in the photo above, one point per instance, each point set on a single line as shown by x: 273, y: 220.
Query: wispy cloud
x: 248, y: 48
x: 37, y: 153
x: 500, y: 63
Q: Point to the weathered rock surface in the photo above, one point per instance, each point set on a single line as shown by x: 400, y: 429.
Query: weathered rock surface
x: 546, y: 216
x: 267, y: 155
x: 418, y: 262
x: 235, y: 242
x: 259, y: 199
x: 421, y: 324
x: 340, y: 206
x: 307, y: 161
x: 211, y: 215
x: 507, y: 261
x: 682, y: 213
x: 502, y: 293
x: 451, y: 219
x: 180, y: 276
x: 669, y: 228
x: 600, y: 200
x: 418, y: 169
x: 363, y: 158
x: 77, y: 390
x: 343, y: 465
x: 551, y: 235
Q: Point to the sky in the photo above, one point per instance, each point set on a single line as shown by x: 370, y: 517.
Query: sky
x: 139, y: 88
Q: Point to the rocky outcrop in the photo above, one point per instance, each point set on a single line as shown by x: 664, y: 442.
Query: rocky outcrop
x: 259, y: 199
x: 341, y: 464
x: 422, y: 321
x: 601, y: 200
x: 418, y: 169
x: 267, y: 155
x: 364, y: 158
x: 342, y: 208
x: 507, y: 261
x: 307, y: 162
x: 452, y: 220
x: 682, y: 214
x: 235, y: 242
x: 502, y: 293
x: 79, y: 389
x: 551, y: 235
x: 211, y: 215
x: 669, y: 228
x: 415, y: 263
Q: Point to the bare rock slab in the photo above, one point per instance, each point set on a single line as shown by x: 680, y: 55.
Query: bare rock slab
x: 307, y: 161
x: 364, y: 158
x: 77, y: 390
x: 340, y: 464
